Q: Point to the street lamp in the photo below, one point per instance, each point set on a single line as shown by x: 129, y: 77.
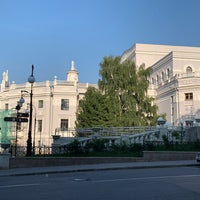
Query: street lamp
x: 31, y: 80
x: 33, y: 126
x: 22, y: 101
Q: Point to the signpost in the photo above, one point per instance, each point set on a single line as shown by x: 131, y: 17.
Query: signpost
x: 19, y: 118
x: 10, y: 119
x: 22, y: 120
x: 19, y: 114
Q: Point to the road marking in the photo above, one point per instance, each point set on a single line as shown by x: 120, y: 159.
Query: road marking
x: 146, y: 178
x: 19, y: 185
x: 78, y: 179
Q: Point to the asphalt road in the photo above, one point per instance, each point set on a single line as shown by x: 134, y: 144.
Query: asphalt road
x: 179, y: 183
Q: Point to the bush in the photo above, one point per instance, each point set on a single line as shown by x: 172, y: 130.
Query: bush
x: 97, y: 145
x: 136, y: 147
x: 74, y: 147
x: 100, y: 147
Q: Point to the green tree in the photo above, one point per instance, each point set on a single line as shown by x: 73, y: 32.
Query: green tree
x: 121, y: 99
x: 94, y: 110
x: 128, y: 86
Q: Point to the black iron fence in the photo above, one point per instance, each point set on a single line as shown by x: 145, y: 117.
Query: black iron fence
x: 20, y: 151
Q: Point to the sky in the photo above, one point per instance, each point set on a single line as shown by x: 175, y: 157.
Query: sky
x: 49, y: 34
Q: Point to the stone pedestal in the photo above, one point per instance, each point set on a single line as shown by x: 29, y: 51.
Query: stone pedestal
x: 4, y: 160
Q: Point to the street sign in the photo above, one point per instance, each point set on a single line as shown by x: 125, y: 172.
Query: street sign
x: 15, y: 119
x: 22, y: 114
x: 22, y: 120
x: 10, y: 119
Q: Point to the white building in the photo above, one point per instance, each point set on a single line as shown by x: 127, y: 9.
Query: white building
x: 54, y: 106
x: 174, y: 83
x: 175, y: 80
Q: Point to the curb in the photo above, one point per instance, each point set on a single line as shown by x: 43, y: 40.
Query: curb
x: 42, y: 171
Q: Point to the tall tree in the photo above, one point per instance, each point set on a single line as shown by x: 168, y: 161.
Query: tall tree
x: 129, y: 85
x: 94, y: 110
x: 121, y: 99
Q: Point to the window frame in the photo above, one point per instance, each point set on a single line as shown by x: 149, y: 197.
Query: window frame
x: 6, y: 106
x: 189, y: 96
x: 40, y: 103
x: 64, y: 104
x: 189, y: 70
x: 168, y: 73
x: 64, y: 124
x: 39, y: 127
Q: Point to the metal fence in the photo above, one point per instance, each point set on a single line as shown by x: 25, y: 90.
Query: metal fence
x: 113, y: 134
x: 20, y: 151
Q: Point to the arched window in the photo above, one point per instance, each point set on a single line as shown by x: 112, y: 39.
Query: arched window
x: 163, y: 76
x: 152, y: 80
x: 157, y: 79
x: 168, y: 72
x: 189, y: 71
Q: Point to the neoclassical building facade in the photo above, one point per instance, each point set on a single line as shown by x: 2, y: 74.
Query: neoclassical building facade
x: 175, y: 79
x: 54, y: 103
x: 174, y: 83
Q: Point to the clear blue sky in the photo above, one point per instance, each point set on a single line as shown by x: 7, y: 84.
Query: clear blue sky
x: 52, y: 33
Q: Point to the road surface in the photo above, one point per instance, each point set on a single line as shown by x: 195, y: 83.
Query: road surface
x: 180, y: 183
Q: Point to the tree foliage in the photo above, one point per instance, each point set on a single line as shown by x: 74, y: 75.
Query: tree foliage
x: 122, y: 98
x: 94, y: 110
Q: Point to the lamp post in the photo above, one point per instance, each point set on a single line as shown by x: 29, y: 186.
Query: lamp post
x: 31, y: 80
x: 34, y: 130
x: 22, y: 101
x: 181, y: 122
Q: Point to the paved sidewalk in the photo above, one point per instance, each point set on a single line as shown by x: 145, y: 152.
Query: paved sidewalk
x: 93, y: 167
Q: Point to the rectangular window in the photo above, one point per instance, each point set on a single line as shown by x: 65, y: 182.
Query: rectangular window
x: 39, y: 122
x: 188, y: 96
x: 19, y: 126
x: 64, y: 124
x: 40, y: 104
x: 6, y: 106
x: 64, y: 104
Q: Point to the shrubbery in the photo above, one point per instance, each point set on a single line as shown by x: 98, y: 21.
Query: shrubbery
x: 102, y: 147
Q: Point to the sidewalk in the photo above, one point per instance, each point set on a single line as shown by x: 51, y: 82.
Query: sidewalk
x: 93, y: 167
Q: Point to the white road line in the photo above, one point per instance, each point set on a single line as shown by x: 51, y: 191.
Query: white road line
x: 19, y: 185
x: 146, y: 178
